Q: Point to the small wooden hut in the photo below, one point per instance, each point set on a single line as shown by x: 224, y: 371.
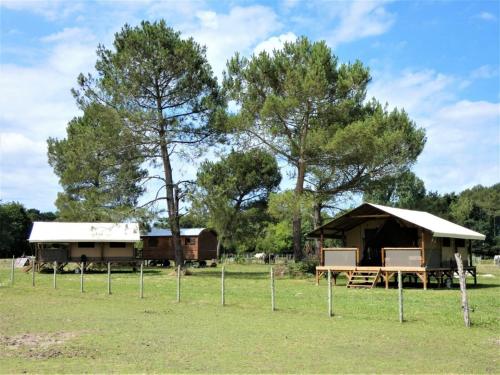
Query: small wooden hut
x: 199, y: 244
x: 378, y: 241
x: 84, y: 242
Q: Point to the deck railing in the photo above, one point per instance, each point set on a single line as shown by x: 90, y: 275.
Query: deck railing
x: 340, y: 256
x: 402, y: 257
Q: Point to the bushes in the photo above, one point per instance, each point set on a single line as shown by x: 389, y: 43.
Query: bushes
x: 303, y: 268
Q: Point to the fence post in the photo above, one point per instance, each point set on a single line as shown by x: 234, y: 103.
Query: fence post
x: 55, y: 274
x: 400, y: 292
x: 141, y: 283
x: 223, y: 298
x: 179, y: 283
x: 33, y: 271
x: 330, y: 307
x: 463, y: 289
x: 273, y: 305
x: 109, y: 278
x: 12, y: 270
x: 81, y: 276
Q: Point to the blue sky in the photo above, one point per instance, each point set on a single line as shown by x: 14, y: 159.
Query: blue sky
x: 439, y: 60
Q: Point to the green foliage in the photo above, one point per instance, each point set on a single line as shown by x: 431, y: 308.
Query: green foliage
x: 98, y: 167
x: 15, y: 227
x: 232, y: 194
x: 405, y: 190
x: 164, y: 88
x: 310, y: 111
x: 302, y: 268
x: 276, y: 238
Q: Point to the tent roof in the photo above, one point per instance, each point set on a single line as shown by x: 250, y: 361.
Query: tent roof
x: 188, y: 232
x: 84, y: 232
x: 369, y: 211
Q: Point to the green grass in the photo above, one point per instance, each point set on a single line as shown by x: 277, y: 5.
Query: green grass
x: 124, y: 334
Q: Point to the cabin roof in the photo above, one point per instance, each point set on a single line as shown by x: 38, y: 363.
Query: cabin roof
x: 369, y: 211
x: 186, y: 232
x: 84, y: 232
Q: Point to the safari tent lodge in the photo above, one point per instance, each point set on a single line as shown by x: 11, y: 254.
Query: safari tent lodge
x: 199, y: 244
x: 84, y: 243
x: 378, y: 241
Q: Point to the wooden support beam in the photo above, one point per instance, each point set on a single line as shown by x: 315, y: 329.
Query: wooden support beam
x: 321, y: 254
x: 422, y: 246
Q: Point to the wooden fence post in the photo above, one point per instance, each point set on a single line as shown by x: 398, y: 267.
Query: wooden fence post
x: 81, y: 276
x: 179, y: 283
x: 223, y: 298
x: 109, y: 278
x: 273, y: 305
x: 463, y: 289
x: 33, y: 271
x: 400, y: 292
x: 330, y: 307
x: 55, y: 275
x: 141, y: 282
x: 12, y: 270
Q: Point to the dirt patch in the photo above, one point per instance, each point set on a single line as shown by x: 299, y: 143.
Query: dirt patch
x: 41, y: 346
x: 40, y: 340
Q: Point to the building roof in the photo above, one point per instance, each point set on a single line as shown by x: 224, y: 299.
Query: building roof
x: 369, y: 211
x: 84, y: 232
x: 187, y: 232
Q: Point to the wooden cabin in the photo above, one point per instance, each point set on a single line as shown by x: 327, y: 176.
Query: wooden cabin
x: 84, y: 242
x: 378, y: 241
x: 199, y: 244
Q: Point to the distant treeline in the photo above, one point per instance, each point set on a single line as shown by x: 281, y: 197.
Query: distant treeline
x: 16, y: 222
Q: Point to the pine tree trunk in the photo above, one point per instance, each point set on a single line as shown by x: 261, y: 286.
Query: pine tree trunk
x: 297, y: 218
x: 172, y: 202
x: 318, y: 221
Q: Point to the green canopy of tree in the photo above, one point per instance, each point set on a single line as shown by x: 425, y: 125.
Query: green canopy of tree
x: 309, y: 110
x: 232, y: 194
x: 99, y: 167
x: 164, y: 88
x: 15, y: 227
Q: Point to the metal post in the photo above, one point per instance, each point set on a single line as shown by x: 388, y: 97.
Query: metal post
x: 141, y: 283
x: 33, y: 271
x: 400, y: 291
x: 12, y: 270
x: 81, y: 276
x: 273, y: 305
x: 55, y: 274
x: 330, y: 307
x: 179, y: 283
x: 223, y: 299
x: 109, y: 278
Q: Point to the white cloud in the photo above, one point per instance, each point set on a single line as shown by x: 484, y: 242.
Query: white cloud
x: 486, y: 16
x: 69, y: 34
x: 50, y: 9
x: 274, y: 43
x: 225, y: 33
x: 463, y: 137
x: 484, y: 72
x: 360, y: 19
x: 417, y: 91
x: 36, y: 103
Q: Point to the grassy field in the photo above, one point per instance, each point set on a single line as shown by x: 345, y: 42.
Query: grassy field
x: 64, y: 331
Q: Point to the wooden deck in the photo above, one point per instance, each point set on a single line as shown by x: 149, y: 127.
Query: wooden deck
x: 387, y: 273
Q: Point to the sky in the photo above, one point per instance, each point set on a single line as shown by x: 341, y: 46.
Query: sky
x: 439, y: 60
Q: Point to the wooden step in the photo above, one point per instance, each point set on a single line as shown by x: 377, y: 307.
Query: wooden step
x: 363, y: 279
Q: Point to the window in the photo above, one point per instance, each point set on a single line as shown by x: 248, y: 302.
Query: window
x: 459, y: 242
x: 446, y: 242
x: 153, y: 241
x: 190, y: 241
x: 86, y: 245
x: 117, y: 244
